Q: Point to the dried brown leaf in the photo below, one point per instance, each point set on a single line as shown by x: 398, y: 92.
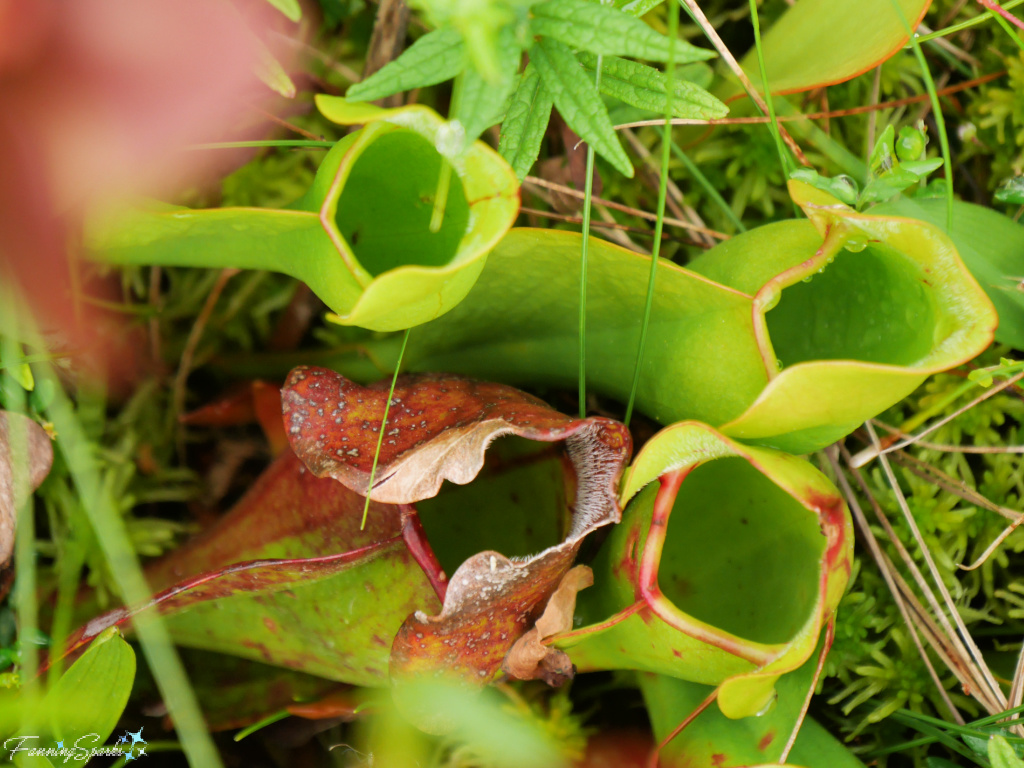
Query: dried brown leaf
x: 529, y: 658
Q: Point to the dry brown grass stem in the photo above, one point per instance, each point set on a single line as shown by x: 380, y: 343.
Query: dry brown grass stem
x: 994, y: 691
x: 884, y: 566
x: 566, y: 190
x: 946, y: 482
x: 730, y: 60
x: 876, y: 449
x: 949, y: 448
x: 830, y: 634
x: 868, y: 108
x: 675, y: 198
x: 613, y: 225
x: 994, y: 545
x: 962, y: 668
x: 620, y: 235
x: 960, y: 649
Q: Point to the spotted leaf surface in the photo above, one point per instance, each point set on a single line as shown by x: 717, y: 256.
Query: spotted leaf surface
x: 438, y: 428
x: 288, y: 578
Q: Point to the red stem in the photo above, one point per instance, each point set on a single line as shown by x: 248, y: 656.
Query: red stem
x: 416, y: 540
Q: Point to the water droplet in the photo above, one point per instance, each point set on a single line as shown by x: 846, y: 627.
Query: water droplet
x: 806, y: 279
x: 856, y: 243
x: 778, y: 364
x: 769, y: 705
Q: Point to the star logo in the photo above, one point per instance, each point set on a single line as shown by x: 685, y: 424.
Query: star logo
x: 60, y: 745
x: 135, y: 738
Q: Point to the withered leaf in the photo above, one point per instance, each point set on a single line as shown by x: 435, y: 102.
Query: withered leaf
x: 38, y: 458
x: 438, y: 428
x: 529, y: 658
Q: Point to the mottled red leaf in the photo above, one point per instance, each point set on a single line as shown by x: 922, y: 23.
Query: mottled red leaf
x: 438, y: 428
x: 252, y: 576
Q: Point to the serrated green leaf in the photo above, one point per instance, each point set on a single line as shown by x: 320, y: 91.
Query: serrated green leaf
x: 290, y: 8
x: 644, y: 87
x: 578, y: 101
x: 608, y: 31
x: 483, y: 102
x: 434, y: 58
x: 525, y: 123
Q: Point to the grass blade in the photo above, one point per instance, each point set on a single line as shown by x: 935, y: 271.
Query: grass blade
x: 666, y: 148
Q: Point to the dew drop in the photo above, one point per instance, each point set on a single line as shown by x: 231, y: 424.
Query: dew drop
x: 856, y: 243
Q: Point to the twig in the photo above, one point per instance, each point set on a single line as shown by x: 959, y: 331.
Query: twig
x: 387, y: 41
x: 877, y: 450
x: 620, y: 236
x: 675, y: 199
x: 290, y: 126
x: 869, y: 108
x: 993, y: 546
x: 535, y: 180
x: 957, y: 487
x: 328, y: 61
x: 975, y: 652
x: 876, y: 552
x: 609, y: 225
x: 155, y: 301
x: 949, y: 448
x: 730, y: 60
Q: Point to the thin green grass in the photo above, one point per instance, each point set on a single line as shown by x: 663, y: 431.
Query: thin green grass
x: 588, y: 192
x: 110, y: 533
x: 784, y: 159
x: 24, y: 596
x: 708, y: 187
x: 953, y: 29
x: 666, y: 153
x: 383, y: 424
x: 1014, y: 35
